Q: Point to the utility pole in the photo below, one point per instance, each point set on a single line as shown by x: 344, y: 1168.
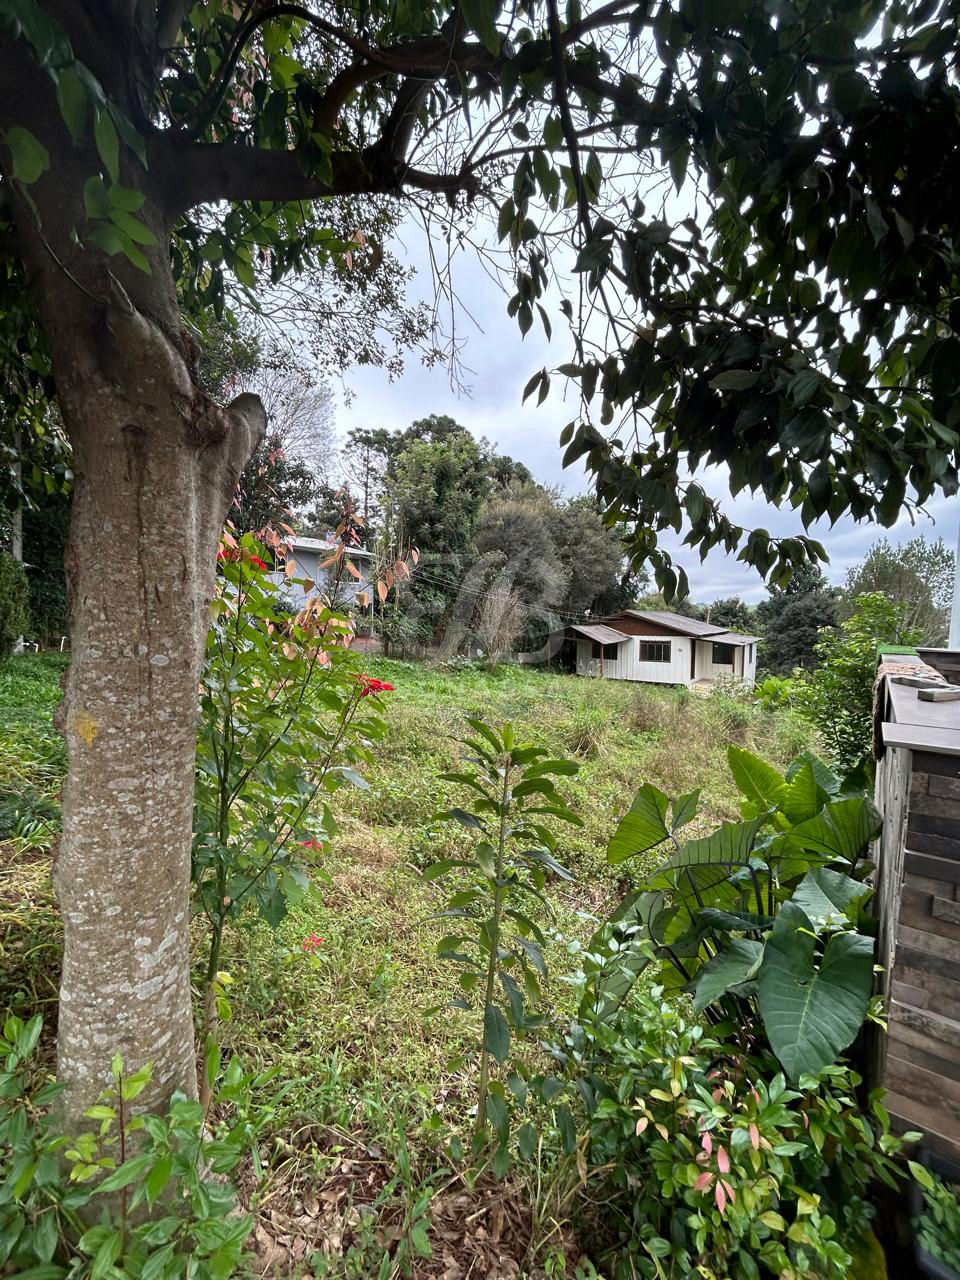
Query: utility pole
x: 954, y: 641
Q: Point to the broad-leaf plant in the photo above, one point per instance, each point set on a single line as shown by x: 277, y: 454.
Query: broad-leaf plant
x: 763, y: 920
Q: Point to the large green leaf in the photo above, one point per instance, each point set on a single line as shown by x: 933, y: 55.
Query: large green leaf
x: 619, y: 952
x: 684, y: 809
x: 758, y: 781
x: 829, y: 897
x: 729, y: 846
x: 824, y: 775
x: 841, y: 830
x: 737, y: 962
x: 810, y: 1015
x: 643, y: 826
x: 803, y: 798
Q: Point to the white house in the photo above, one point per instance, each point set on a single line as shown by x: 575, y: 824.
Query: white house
x: 309, y: 554
x: 662, y: 648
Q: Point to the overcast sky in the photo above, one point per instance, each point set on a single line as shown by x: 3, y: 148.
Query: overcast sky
x: 498, y: 362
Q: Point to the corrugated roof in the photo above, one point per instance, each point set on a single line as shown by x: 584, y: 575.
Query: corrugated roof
x: 684, y: 626
x: 733, y: 637
x: 321, y: 545
x: 605, y: 635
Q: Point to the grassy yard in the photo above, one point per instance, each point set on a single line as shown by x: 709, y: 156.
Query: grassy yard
x: 380, y: 1065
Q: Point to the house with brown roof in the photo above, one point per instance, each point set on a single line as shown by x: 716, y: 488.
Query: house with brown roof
x: 662, y: 648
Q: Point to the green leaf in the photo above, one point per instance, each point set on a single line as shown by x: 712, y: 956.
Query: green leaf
x: 841, y: 830
x: 829, y: 897
x: 126, y: 198
x: 496, y: 1033
x: 802, y: 798
x: 729, y: 846
x: 922, y: 1174
x: 465, y: 819
x: 212, y: 1060
x: 684, y: 810
x: 757, y: 781
x: 29, y: 158
x: 480, y: 16
x: 811, y: 1015
x: 72, y: 100
x: 106, y: 237
x: 96, y: 199
x: 108, y: 144
x: 107, y: 1255
x: 734, y: 380
x: 158, y: 1177
x: 128, y: 1172
x: 642, y: 827
x: 134, y: 228
x: 826, y: 779
x: 737, y: 962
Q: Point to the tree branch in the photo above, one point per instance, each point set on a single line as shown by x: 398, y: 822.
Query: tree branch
x: 170, y: 18
x: 190, y: 174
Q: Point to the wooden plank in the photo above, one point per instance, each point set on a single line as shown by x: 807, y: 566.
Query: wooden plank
x: 946, y: 911
x: 935, y: 824
x: 920, y: 783
x: 914, y: 1081
x: 911, y: 1046
x: 944, y: 992
x: 931, y: 805
x: 927, y: 1024
x: 909, y: 996
x: 924, y: 884
x: 940, y: 786
x: 938, y: 1132
x: 926, y: 961
x: 936, y: 763
x: 930, y: 740
x: 926, y: 842
x: 922, y: 940
x: 923, y: 920
x: 929, y: 864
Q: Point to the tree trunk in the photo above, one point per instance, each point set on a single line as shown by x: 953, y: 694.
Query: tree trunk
x: 152, y: 492
x: 156, y: 466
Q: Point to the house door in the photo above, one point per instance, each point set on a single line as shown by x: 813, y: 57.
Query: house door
x: 693, y: 659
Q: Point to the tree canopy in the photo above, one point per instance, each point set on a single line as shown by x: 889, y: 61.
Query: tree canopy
x: 917, y: 575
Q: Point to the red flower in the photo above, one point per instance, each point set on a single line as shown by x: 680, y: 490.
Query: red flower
x: 258, y: 562
x: 371, y: 685
x: 313, y: 943
x: 316, y: 845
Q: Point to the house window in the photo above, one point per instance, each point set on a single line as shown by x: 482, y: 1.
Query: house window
x: 654, y: 650
x: 606, y: 651
x: 723, y: 655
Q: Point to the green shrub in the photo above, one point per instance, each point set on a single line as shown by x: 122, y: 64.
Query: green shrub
x: 838, y: 695
x: 938, y: 1227
x: 759, y: 920
x: 132, y: 1195
x: 14, y: 603
x: 700, y: 1160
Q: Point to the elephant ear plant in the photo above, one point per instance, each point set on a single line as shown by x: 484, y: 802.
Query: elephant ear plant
x: 762, y: 920
x: 498, y: 944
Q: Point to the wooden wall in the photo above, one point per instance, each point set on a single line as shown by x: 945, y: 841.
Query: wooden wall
x: 922, y: 930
